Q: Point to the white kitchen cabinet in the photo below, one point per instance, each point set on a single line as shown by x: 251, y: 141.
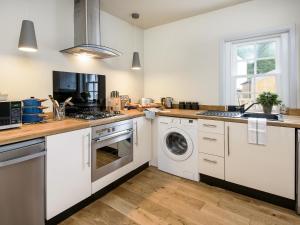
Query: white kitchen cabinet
x: 141, y: 141
x: 211, y: 148
x: 211, y: 126
x: 211, y: 143
x: 269, y: 168
x: 68, y: 170
x: 211, y: 165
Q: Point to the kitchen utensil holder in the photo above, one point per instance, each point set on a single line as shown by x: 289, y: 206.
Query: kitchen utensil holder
x: 59, y: 113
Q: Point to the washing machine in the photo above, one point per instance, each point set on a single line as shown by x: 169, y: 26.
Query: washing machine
x: 177, y: 148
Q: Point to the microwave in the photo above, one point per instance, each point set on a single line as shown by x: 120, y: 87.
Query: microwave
x: 10, y: 114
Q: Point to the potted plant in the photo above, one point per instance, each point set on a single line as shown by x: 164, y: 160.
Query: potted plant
x: 268, y: 100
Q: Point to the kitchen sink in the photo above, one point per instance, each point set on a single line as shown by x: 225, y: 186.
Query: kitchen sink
x: 273, y: 117
x: 276, y: 117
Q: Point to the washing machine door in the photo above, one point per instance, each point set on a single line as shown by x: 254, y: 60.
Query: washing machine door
x: 177, y: 144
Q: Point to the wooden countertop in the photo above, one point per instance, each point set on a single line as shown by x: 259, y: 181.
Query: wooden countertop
x: 289, y: 121
x: 51, y: 127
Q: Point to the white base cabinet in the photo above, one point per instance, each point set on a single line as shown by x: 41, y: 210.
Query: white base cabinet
x: 211, y: 148
x: 269, y: 168
x: 141, y: 141
x: 68, y: 170
x: 211, y: 165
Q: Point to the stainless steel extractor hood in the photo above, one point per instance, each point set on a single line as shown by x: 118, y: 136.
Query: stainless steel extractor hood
x: 87, y: 34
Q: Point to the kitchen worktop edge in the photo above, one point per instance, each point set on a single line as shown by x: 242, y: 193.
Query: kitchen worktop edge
x: 27, y: 132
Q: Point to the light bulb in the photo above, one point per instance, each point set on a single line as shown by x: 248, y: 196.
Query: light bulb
x: 85, y: 56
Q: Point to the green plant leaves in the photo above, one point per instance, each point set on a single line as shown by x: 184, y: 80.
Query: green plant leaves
x: 268, y: 99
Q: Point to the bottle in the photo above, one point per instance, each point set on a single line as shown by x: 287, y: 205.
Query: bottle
x: 283, y: 109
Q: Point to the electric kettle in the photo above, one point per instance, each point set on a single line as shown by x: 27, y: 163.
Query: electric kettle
x: 167, y: 102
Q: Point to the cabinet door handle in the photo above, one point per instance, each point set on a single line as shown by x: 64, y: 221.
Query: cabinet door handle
x: 228, y: 139
x: 89, y: 149
x: 163, y: 122
x: 136, y: 133
x: 210, y: 161
x: 209, y: 125
x: 209, y: 139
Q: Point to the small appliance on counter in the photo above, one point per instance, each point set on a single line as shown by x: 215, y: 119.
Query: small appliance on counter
x: 33, y: 111
x: 167, y: 102
x: 146, y: 101
x: 10, y: 114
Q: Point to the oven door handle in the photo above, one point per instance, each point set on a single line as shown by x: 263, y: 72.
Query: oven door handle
x: 121, y: 133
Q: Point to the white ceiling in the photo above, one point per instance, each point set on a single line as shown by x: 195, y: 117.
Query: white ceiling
x: 158, y: 12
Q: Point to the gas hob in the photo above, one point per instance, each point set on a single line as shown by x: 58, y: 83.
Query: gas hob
x: 93, y: 115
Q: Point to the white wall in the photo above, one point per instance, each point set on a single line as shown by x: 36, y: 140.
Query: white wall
x: 30, y: 74
x: 182, y: 58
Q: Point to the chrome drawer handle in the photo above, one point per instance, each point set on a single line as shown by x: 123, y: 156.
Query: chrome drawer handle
x: 136, y: 133
x: 89, y: 150
x: 209, y: 125
x: 210, y: 161
x: 228, y: 139
x: 163, y: 122
x: 209, y: 139
x: 115, y: 135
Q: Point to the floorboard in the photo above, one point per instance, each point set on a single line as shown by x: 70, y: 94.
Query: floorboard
x: 154, y: 197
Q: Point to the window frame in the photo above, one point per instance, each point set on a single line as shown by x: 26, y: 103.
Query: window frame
x: 234, y: 61
x: 290, y: 94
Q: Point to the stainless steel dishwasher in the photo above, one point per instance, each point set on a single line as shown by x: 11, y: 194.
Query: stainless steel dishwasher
x: 22, y: 184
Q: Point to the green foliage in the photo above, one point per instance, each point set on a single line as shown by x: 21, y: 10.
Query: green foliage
x: 264, y: 54
x: 265, y: 65
x: 268, y: 99
x: 250, y: 68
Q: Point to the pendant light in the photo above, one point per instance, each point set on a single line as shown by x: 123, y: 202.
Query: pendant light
x: 136, y: 64
x: 27, y: 40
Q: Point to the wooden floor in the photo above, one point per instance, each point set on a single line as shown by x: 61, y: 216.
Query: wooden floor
x: 154, y: 197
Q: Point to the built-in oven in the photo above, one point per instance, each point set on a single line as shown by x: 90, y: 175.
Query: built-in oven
x: 112, y: 147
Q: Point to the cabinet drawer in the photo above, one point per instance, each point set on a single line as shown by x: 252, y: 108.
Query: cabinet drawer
x: 211, y: 143
x: 211, y: 126
x: 211, y: 165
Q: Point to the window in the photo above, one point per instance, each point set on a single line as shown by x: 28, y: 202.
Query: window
x: 258, y: 64
x: 255, y: 69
